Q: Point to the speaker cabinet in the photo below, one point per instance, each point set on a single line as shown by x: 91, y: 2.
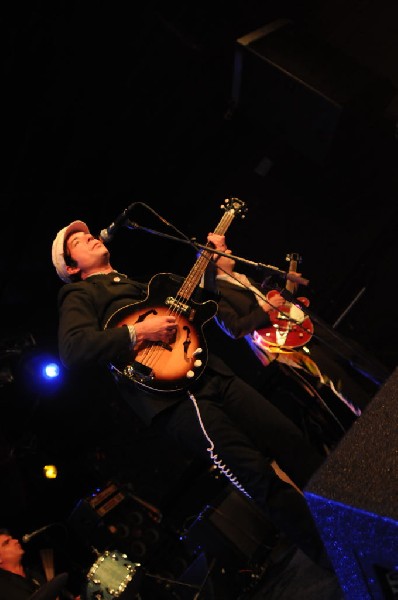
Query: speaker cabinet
x: 116, y: 518
x: 232, y: 529
x: 307, y: 95
x: 354, y: 501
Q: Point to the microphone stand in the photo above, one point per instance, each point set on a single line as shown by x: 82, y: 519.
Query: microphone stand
x: 354, y: 356
x: 194, y: 244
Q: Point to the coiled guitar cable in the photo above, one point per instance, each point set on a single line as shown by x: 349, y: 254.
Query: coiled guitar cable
x: 214, y: 457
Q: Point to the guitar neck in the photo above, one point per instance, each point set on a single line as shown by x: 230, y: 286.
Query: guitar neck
x: 195, y: 274
x: 290, y: 285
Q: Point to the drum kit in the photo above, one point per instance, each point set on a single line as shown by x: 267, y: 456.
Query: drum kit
x: 111, y: 576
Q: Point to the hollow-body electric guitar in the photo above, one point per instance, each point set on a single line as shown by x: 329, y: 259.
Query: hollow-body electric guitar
x: 290, y: 327
x: 161, y: 367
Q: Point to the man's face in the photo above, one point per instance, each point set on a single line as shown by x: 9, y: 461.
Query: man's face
x: 88, y: 251
x: 11, y: 550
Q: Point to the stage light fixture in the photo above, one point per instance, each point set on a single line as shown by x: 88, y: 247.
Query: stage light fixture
x: 39, y: 371
x: 51, y: 370
x: 50, y: 471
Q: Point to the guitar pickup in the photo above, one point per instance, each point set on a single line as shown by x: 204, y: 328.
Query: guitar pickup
x: 181, y: 307
x: 282, y: 317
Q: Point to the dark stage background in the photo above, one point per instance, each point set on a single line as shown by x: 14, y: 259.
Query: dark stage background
x: 163, y: 104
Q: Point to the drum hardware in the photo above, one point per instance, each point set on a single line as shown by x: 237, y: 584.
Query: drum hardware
x: 113, y: 576
x: 173, y: 581
x: 153, y: 512
x: 193, y: 586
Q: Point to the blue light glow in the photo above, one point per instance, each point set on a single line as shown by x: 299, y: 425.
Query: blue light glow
x: 51, y: 370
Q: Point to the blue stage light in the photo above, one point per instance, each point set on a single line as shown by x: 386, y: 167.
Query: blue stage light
x: 40, y: 372
x: 51, y: 370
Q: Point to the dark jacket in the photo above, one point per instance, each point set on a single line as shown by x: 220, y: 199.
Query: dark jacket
x: 90, y: 315
x: 16, y: 587
x: 238, y: 311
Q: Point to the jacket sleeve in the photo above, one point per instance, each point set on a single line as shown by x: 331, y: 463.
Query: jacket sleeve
x: 81, y: 337
x: 239, y: 314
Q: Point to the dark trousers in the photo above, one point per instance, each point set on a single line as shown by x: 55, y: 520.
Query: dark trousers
x: 229, y: 422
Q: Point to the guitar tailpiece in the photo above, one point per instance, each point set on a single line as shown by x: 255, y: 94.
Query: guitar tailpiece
x: 214, y: 457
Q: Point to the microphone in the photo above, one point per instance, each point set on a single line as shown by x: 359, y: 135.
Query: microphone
x: 106, y: 235
x: 28, y: 536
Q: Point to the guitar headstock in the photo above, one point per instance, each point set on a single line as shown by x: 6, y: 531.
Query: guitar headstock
x: 236, y: 205
x: 294, y: 259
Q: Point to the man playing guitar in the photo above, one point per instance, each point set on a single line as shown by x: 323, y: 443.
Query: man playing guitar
x: 211, y: 413
x: 275, y: 334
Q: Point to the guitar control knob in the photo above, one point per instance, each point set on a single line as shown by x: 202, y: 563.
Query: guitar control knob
x: 197, y: 351
x: 197, y: 363
x: 190, y: 374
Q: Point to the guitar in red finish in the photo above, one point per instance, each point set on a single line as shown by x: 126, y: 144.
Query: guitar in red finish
x: 290, y: 327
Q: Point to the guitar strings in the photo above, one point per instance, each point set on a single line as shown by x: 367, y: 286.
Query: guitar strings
x: 151, y: 355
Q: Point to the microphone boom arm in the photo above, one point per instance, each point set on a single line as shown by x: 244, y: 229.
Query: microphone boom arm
x: 192, y: 242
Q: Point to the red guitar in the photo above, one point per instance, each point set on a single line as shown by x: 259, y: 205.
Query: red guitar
x: 290, y: 327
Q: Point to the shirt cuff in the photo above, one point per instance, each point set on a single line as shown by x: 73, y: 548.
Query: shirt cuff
x: 133, y: 335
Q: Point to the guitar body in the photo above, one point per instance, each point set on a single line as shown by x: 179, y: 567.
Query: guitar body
x: 284, y: 332
x: 172, y: 367
x: 290, y: 327
x: 160, y: 367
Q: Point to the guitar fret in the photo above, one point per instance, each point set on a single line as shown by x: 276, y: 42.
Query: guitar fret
x: 193, y: 278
